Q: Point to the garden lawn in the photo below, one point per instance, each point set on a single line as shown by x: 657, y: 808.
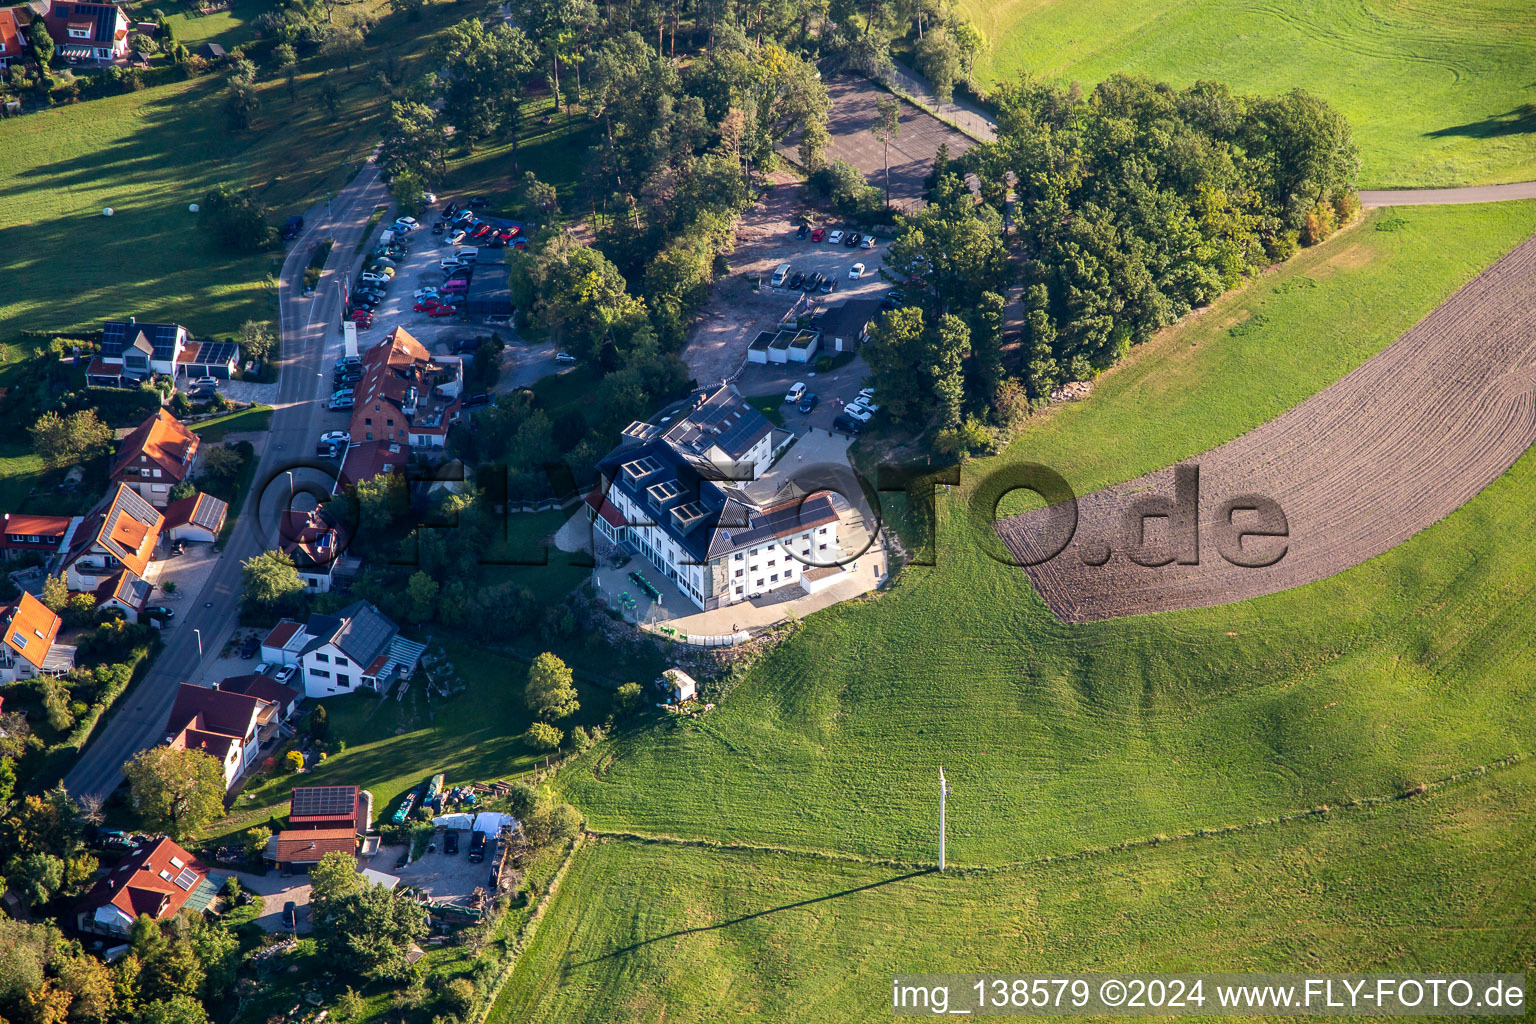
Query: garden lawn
x: 1399, y: 672
x: 258, y: 418
x: 1438, y: 92
x: 651, y: 932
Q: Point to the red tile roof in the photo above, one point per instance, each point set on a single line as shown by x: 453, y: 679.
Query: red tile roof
x: 154, y: 880
x: 162, y: 442
x: 10, y: 34
x: 281, y: 633
x: 305, y: 846
x: 31, y: 630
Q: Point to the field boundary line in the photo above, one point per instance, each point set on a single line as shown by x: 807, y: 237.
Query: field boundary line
x: 530, y: 927
x: 1317, y: 813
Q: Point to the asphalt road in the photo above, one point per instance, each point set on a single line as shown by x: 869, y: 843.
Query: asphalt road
x: 310, y: 343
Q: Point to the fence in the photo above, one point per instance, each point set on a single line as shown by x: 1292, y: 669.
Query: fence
x: 695, y: 639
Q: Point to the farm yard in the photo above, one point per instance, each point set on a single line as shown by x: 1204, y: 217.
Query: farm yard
x: 1438, y: 93
x: 1394, y: 447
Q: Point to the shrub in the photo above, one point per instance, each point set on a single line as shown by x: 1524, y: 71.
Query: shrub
x: 543, y: 736
x: 293, y: 761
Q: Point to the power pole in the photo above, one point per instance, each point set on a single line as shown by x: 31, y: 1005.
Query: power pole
x: 943, y: 793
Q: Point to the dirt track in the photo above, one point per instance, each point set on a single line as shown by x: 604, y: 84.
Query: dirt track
x: 1448, y: 196
x: 1400, y: 443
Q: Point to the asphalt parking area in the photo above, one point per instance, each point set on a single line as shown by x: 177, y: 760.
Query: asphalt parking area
x: 443, y: 877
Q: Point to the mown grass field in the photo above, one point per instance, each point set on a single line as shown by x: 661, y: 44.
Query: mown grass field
x: 1398, y: 672
x: 1438, y: 92
x: 651, y: 932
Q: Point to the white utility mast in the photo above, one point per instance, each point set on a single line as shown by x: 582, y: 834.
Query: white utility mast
x: 943, y: 793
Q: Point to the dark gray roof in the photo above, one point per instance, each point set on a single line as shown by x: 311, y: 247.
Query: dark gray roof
x: 360, y: 631
x: 721, y: 418
x: 215, y: 353
x: 116, y: 335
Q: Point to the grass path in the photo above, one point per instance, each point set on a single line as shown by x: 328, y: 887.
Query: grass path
x: 1438, y: 91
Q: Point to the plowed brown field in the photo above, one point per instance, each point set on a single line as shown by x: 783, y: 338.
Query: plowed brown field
x: 1357, y: 469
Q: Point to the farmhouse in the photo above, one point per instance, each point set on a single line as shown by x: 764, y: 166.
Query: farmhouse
x: 97, y: 33
x: 198, y: 518
x: 406, y: 398
x: 670, y: 492
x: 159, y: 879
x: 228, y: 726
x: 357, y: 647
x: 119, y: 534
x: 315, y: 542
x: 29, y: 650
x: 155, y: 457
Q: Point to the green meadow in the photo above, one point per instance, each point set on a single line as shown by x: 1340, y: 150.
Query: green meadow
x: 1438, y: 91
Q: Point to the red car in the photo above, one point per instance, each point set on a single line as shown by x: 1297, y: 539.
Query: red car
x: 426, y: 306
x: 443, y: 311
x: 818, y: 234
x: 363, y: 318
x: 481, y: 231
x: 520, y: 244
x: 507, y: 234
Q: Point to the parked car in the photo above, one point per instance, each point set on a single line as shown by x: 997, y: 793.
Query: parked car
x: 476, y: 847
x: 456, y: 237
x: 836, y: 238
x: 803, y: 230
x: 818, y: 234
x: 285, y: 673
x: 466, y: 255
x: 291, y: 915
x: 365, y: 304
x: 410, y: 222
x: 336, y: 435
x: 866, y: 396
x: 429, y: 292
x: 384, y: 269
x: 828, y: 284
x: 854, y: 410
x: 478, y: 399
x: 482, y: 231
x: 440, y: 311
x: 809, y: 402
x: 450, y: 264
x: 362, y: 318
x: 796, y: 281
x: 293, y: 228
x: 159, y: 611
x: 868, y: 242
x: 892, y: 300
x: 479, y: 203
x: 867, y: 404
x: 564, y: 357
x: 847, y: 425
x: 342, y: 403
x: 249, y: 647
x: 451, y: 842
x: 371, y: 278
x: 795, y: 393
x: 855, y: 272
x: 425, y: 306
x: 853, y: 239
x: 204, y: 384
x: 439, y: 228
x: 341, y: 395
x: 812, y: 282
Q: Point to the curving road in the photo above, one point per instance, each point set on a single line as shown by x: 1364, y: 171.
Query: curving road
x: 309, y: 344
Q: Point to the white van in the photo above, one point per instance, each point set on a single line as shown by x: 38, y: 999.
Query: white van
x: 780, y: 275
x: 466, y: 255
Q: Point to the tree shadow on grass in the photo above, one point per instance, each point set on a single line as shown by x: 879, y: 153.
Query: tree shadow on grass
x: 1519, y: 121
x: 755, y: 915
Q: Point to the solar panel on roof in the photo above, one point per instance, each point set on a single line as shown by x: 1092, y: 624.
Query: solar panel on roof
x: 187, y: 879
x: 331, y: 801
x: 216, y: 353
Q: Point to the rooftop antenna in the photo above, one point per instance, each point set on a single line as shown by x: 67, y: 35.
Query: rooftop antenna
x: 944, y: 792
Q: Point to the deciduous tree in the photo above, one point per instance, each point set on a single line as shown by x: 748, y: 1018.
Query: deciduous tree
x: 175, y: 790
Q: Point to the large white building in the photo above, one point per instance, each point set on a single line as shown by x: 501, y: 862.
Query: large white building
x: 358, y: 647
x: 673, y: 492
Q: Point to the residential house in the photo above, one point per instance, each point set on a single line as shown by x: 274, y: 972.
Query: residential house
x: 13, y: 45
x: 676, y: 491
x: 315, y: 542
x: 329, y: 807
x: 125, y: 591
x: 30, y: 648
x: 356, y: 648
x: 198, y: 518
x: 227, y: 726
x: 285, y: 698
x: 88, y: 32
x: 406, y: 398
x: 155, y: 457
x: 38, y: 535
x: 159, y: 879
x: 120, y: 534
x: 132, y: 352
